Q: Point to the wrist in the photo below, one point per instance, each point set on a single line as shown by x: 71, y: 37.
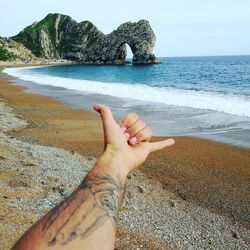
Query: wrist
x: 114, y: 164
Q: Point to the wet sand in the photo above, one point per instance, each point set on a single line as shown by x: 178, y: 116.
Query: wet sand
x: 207, y: 174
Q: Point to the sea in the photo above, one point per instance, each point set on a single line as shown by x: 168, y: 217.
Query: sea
x: 206, y: 97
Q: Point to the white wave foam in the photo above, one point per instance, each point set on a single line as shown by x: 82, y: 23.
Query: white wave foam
x: 234, y: 105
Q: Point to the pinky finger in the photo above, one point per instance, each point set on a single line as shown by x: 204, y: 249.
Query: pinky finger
x: 155, y: 146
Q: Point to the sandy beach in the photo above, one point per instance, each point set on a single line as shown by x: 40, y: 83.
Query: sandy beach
x: 194, y: 195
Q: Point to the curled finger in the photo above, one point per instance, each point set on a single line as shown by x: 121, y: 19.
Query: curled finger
x: 143, y: 135
x: 136, y: 127
x: 128, y: 120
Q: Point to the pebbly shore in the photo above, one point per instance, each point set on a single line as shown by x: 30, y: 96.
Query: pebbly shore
x: 34, y: 178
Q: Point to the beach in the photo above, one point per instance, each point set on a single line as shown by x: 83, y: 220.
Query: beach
x: 193, y: 195
x: 205, y: 97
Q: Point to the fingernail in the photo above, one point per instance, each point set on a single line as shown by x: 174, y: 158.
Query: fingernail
x: 133, y: 140
x: 123, y: 129
x: 127, y: 135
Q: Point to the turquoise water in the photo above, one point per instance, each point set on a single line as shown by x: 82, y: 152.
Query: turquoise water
x: 225, y: 75
x: 200, y: 96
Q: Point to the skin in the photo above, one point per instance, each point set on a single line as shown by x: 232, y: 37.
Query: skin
x: 87, y: 219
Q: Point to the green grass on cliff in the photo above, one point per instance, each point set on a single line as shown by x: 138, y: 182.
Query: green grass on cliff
x: 70, y: 35
x: 48, y: 21
x: 5, y: 55
x: 29, y: 37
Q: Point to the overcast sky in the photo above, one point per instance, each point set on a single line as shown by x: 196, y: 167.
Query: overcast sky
x: 182, y: 27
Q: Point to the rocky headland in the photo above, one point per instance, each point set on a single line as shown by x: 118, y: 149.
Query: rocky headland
x: 59, y: 37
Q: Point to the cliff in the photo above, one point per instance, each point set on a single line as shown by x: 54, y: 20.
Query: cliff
x: 60, y: 37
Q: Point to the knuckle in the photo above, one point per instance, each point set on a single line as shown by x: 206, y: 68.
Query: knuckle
x: 138, y: 129
x: 132, y: 116
x: 131, y: 131
x: 141, y: 123
x: 143, y: 135
x: 129, y: 119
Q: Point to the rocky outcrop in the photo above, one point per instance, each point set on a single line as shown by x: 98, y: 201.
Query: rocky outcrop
x: 11, y: 50
x: 60, y: 37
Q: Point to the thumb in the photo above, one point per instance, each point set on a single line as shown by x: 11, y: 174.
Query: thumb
x: 106, y: 114
x: 154, y: 146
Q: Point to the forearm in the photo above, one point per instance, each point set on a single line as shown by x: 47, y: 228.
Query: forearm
x: 87, y: 219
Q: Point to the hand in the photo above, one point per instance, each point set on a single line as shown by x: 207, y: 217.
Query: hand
x: 129, y: 140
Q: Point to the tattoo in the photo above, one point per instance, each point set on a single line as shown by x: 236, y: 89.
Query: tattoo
x: 90, y: 206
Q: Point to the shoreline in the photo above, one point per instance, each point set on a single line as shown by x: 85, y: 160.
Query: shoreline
x: 41, y: 62
x: 165, y: 120
x: 196, y: 174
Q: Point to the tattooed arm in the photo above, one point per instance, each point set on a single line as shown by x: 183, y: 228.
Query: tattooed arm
x: 87, y: 219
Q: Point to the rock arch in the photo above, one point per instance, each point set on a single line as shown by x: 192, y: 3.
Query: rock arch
x: 140, y: 38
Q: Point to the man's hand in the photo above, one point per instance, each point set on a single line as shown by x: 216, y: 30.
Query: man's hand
x: 129, y: 140
x: 87, y: 219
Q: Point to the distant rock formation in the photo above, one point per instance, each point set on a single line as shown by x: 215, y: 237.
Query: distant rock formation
x: 112, y: 48
x: 60, y: 37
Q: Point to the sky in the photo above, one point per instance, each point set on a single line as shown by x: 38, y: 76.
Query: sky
x: 182, y: 27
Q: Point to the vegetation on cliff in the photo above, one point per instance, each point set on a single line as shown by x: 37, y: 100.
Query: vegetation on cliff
x: 60, y: 37
x: 14, y: 51
x: 5, y: 54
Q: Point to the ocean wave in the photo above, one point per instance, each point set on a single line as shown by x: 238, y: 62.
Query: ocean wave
x: 235, y: 105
